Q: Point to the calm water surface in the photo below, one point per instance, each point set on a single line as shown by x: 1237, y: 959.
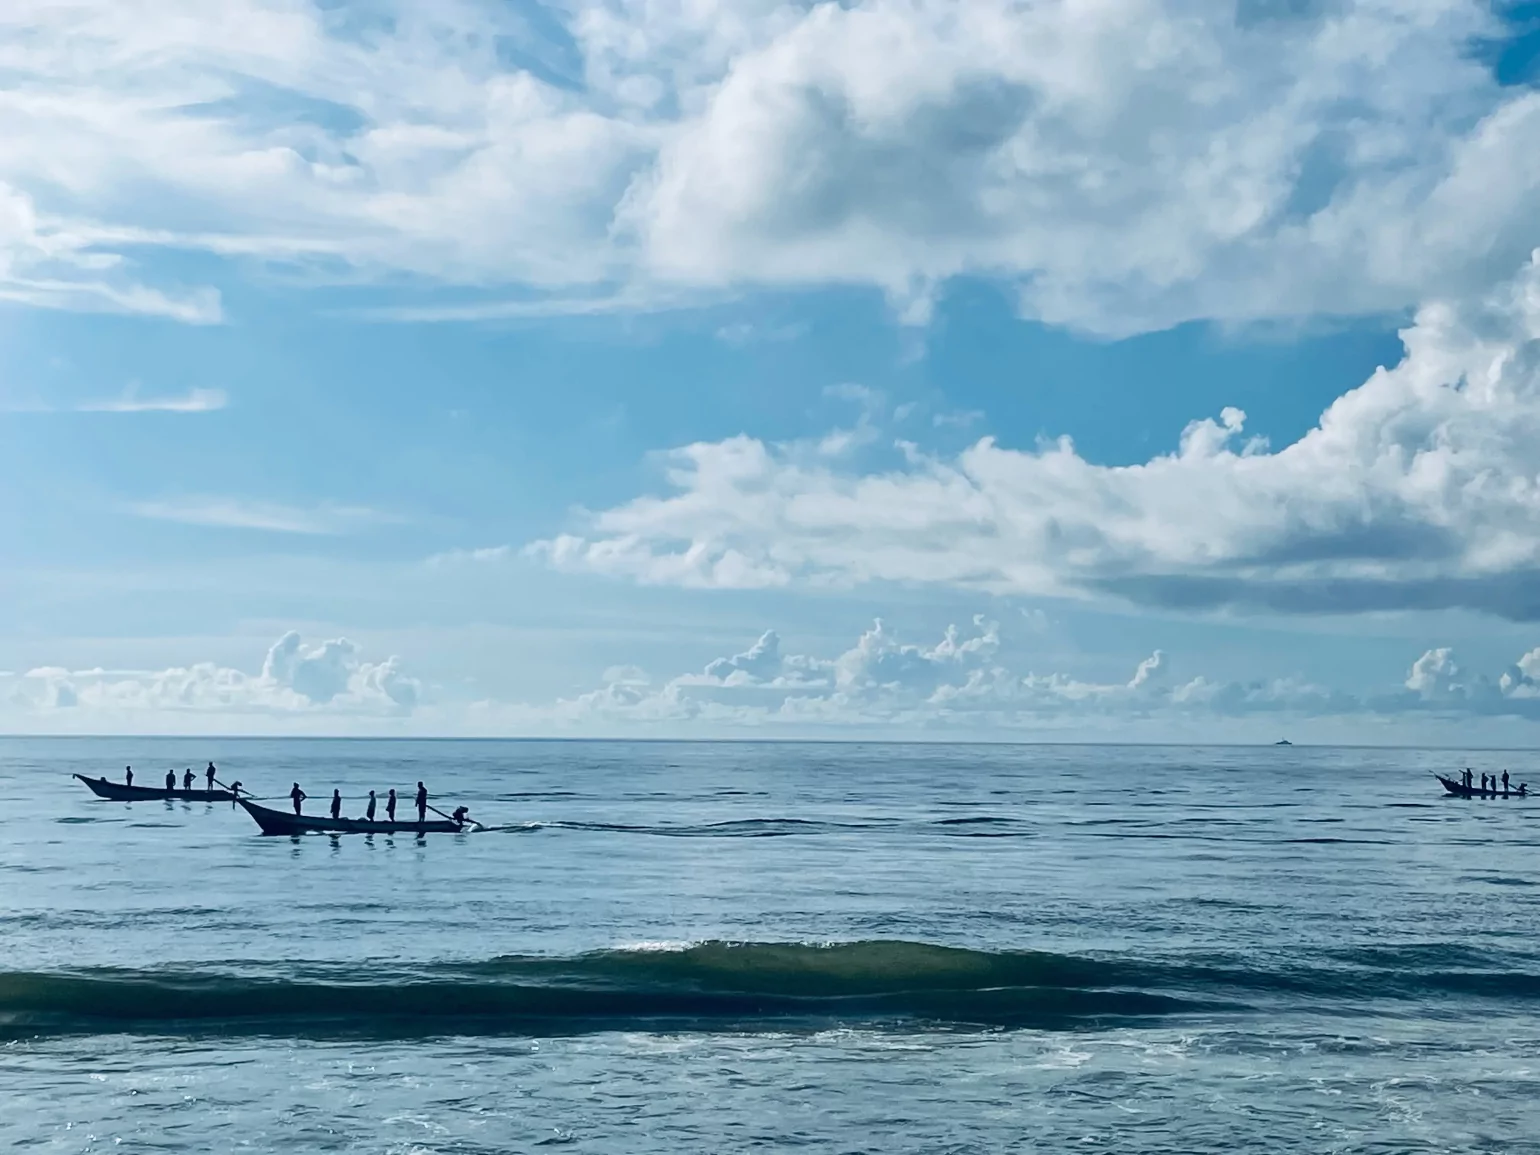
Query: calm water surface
x: 733, y: 947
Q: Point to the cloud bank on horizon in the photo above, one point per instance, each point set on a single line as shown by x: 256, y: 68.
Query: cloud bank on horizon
x: 961, y: 686
x: 1118, y: 166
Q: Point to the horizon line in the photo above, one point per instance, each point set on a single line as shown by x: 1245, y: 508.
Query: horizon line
x: 760, y: 741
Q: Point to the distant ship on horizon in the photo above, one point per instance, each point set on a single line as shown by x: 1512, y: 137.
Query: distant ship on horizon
x: 1283, y: 742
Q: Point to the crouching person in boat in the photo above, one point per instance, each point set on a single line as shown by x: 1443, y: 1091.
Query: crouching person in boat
x: 461, y: 816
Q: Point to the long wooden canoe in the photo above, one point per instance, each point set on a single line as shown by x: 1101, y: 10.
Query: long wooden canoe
x: 119, y: 792
x: 1460, y: 790
x: 285, y: 822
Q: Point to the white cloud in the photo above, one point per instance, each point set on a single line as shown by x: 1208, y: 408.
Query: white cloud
x: 1122, y: 164
x: 1418, y: 489
x: 483, y: 556
x: 327, y: 681
x: 1437, y: 682
x: 962, y: 681
x: 972, y: 682
x: 236, y: 513
x: 965, y: 684
x: 1132, y: 163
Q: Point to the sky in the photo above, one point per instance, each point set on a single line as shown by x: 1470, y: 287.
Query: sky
x: 1069, y: 370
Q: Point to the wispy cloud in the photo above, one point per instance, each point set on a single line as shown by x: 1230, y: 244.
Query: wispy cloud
x: 471, y: 556
x: 236, y: 513
x: 194, y: 401
x: 962, y: 419
x: 630, y: 301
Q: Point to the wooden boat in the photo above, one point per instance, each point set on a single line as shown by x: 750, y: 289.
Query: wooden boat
x: 121, y: 792
x: 1460, y: 790
x: 286, y: 822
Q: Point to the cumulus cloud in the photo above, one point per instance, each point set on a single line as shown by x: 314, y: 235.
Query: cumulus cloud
x: 961, y: 680
x: 972, y: 681
x: 296, y: 680
x: 1438, y: 683
x: 1119, y: 165
x: 1417, y: 490
x: 967, y: 684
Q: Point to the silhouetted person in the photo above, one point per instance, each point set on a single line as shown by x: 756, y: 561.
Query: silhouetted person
x: 336, y: 803
x: 1523, y: 789
x: 235, y: 788
x: 209, y: 774
x: 1466, y: 779
x: 369, y: 811
x: 170, y: 779
x: 298, y: 796
x: 460, y: 815
x: 422, y: 802
x: 390, y: 806
x: 187, y: 779
x: 128, y: 775
x: 1483, y: 783
x: 1505, y: 783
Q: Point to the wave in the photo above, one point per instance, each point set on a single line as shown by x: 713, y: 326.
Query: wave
x: 735, y: 828
x: 723, y: 986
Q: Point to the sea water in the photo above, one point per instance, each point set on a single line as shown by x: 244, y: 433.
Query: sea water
x: 661, y: 947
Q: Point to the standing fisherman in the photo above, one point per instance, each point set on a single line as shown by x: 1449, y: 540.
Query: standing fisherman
x: 422, y: 803
x: 298, y: 796
x: 187, y: 779
x: 128, y: 775
x: 369, y: 813
x: 170, y: 779
x: 390, y: 806
x: 336, y: 804
x: 1505, y: 783
x: 209, y: 774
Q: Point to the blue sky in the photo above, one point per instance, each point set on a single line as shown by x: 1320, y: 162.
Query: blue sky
x: 705, y: 369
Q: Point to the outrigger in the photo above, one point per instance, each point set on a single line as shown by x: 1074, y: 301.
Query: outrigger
x: 282, y: 822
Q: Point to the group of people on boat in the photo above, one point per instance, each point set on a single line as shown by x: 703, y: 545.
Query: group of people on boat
x: 188, y: 779
x: 298, y: 796
x: 1467, y: 779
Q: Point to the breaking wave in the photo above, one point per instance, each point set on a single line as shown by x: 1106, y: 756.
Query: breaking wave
x: 718, y: 986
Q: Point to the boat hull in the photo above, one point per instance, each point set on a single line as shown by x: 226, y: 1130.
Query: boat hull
x: 1460, y: 790
x: 285, y: 822
x: 118, y: 792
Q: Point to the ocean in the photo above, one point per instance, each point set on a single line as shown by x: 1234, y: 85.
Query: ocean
x: 723, y: 947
